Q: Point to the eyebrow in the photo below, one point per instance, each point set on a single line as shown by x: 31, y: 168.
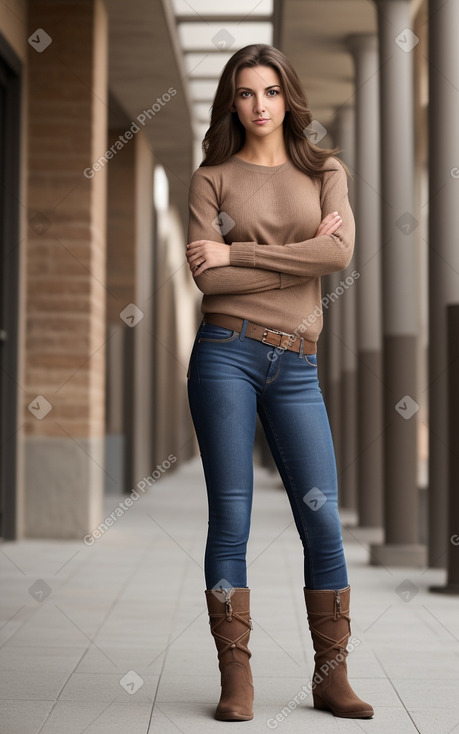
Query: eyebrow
x: 251, y: 90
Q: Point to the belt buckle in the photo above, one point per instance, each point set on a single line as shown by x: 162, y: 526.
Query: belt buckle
x: 280, y: 343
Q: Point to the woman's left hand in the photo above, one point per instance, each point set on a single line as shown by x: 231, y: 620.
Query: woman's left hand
x: 204, y: 254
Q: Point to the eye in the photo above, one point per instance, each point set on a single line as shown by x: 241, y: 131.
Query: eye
x: 243, y: 93
x: 274, y: 92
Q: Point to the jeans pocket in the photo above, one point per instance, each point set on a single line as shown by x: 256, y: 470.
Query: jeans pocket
x: 214, y: 333
x: 311, y: 359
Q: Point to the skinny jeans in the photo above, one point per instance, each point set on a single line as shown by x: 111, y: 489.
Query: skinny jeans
x: 231, y: 378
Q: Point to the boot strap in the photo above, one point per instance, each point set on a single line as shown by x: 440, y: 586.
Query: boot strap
x: 230, y: 644
x: 340, y: 644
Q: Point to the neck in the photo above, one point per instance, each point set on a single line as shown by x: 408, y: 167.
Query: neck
x: 263, y: 151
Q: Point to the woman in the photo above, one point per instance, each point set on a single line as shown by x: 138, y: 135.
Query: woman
x: 268, y: 216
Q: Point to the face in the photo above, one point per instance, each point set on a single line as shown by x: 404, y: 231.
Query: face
x: 259, y: 96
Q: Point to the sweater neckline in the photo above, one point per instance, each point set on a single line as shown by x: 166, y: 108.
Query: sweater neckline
x: 255, y: 167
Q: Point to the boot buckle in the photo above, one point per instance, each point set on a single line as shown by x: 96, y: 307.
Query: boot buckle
x: 229, y: 608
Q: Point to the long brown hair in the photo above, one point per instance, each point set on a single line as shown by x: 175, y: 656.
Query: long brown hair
x: 226, y: 135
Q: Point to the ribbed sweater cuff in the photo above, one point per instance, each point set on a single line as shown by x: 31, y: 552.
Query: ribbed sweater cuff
x: 242, y: 254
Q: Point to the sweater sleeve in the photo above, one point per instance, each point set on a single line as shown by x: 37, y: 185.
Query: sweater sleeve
x: 313, y: 257
x: 203, y: 225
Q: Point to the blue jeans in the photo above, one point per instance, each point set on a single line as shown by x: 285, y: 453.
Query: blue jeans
x: 230, y: 379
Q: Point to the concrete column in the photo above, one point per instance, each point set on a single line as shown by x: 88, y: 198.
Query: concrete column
x: 345, y: 294
x: 174, y: 329
x: 400, y: 298
x: 64, y: 377
x: 364, y: 49
x: 323, y: 360
x: 143, y: 334
x: 333, y: 325
x: 130, y: 310
x: 121, y: 279
x: 443, y: 251
x: 452, y: 584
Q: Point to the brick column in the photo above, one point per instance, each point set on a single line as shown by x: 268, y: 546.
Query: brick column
x: 65, y: 277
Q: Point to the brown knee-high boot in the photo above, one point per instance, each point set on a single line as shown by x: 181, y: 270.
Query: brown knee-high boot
x: 329, y: 622
x: 230, y: 624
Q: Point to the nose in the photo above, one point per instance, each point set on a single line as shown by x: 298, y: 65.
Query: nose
x: 259, y: 105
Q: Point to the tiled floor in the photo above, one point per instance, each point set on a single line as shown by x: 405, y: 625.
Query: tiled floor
x: 114, y: 639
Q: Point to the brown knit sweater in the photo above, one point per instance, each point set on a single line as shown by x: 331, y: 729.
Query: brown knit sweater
x: 269, y: 216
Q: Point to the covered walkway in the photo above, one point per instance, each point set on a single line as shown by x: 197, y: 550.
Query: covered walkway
x: 103, y: 108
x: 113, y: 637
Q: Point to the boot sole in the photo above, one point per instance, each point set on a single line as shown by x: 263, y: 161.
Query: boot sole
x: 356, y: 715
x: 321, y: 705
x: 233, y: 716
x: 345, y: 715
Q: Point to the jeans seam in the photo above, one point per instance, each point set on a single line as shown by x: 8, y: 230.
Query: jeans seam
x: 269, y: 380
x: 285, y: 466
x: 231, y: 338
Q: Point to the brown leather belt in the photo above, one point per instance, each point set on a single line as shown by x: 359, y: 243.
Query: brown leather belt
x: 275, y: 338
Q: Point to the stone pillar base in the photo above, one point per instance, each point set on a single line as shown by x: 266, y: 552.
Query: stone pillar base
x: 448, y: 589
x: 398, y: 554
x: 64, y: 486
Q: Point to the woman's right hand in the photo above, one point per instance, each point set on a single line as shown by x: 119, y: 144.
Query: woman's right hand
x: 329, y: 224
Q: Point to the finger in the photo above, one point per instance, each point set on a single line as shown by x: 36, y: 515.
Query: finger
x: 333, y: 218
x: 331, y: 228
x: 192, y: 247
x: 195, y: 259
x: 194, y: 244
x: 330, y: 218
x: 200, y: 269
x: 194, y: 253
